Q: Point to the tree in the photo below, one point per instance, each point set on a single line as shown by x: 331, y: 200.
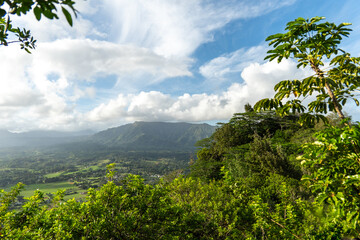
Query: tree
x: 235, y: 136
x: 48, y: 8
x: 248, y: 108
x: 312, y: 44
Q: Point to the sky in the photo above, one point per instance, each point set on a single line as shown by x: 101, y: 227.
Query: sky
x: 153, y: 60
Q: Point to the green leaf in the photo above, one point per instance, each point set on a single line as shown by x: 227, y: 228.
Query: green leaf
x: 47, y: 13
x: 67, y: 15
x: 356, y: 102
x: 322, y: 197
x: 37, y: 13
x: 2, y: 13
x: 271, y: 37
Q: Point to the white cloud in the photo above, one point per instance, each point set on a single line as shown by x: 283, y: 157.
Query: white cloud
x: 87, y: 59
x: 176, y: 28
x: 224, y: 67
x: 259, y: 80
x: 87, y: 92
x: 111, y: 111
x: 150, y: 41
x: 44, y: 87
x: 45, y: 102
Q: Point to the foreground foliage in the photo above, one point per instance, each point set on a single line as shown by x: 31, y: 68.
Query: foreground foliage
x: 333, y: 162
x: 258, y: 196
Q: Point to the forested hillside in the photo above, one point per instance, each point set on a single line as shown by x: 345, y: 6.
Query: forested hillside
x: 134, y: 136
x: 154, y: 136
x: 281, y: 170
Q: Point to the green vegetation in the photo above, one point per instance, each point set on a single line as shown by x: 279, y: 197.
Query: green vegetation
x: 312, y: 43
x: 70, y: 189
x: 154, y: 136
x: 40, y: 8
x: 87, y: 169
x: 83, y: 161
x: 262, y: 175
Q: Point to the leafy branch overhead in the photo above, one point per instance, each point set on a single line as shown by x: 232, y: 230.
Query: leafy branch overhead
x: 315, y: 44
x: 47, y: 8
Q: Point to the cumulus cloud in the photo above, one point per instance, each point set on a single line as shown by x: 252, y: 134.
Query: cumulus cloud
x: 50, y: 108
x: 25, y: 103
x: 259, y: 80
x: 86, y: 59
x: 45, y: 85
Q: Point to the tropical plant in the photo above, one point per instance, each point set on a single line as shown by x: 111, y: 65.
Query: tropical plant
x: 336, y: 75
x: 333, y: 165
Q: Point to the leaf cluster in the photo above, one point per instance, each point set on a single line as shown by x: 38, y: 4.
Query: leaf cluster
x: 308, y: 40
x: 333, y: 165
x: 40, y: 8
x: 311, y: 43
x: 235, y: 137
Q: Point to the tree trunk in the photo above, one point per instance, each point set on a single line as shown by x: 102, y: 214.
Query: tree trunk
x: 320, y: 74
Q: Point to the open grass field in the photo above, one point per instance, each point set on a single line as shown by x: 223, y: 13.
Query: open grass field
x: 53, y: 188
x: 51, y: 175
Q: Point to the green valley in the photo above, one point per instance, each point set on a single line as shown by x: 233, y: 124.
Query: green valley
x: 151, y: 150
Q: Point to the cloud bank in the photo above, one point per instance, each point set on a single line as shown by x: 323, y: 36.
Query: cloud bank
x: 139, y: 44
x: 259, y: 80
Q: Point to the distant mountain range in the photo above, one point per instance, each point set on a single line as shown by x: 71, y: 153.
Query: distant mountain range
x: 154, y: 136
x: 135, y: 136
x: 39, y: 138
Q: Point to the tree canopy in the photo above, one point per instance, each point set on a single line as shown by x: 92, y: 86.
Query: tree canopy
x: 46, y: 8
x: 336, y: 77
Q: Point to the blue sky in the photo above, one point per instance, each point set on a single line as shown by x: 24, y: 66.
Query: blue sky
x: 153, y: 60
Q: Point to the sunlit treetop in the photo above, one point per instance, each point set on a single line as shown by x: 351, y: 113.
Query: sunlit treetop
x: 311, y: 42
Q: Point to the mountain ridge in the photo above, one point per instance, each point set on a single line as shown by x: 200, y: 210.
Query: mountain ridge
x: 154, y: 135
x: 132, y: 136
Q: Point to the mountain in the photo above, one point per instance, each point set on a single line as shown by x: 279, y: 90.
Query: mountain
x: 135, y: 136
x: 38, y: 138
x: 154, y: 136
